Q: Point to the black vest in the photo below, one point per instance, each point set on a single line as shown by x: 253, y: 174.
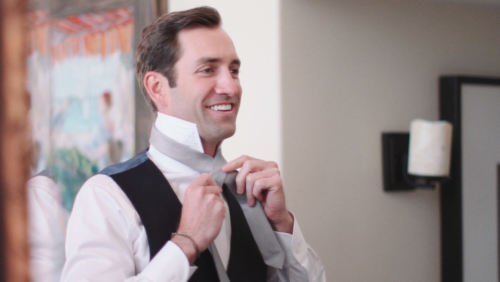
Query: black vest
x: 160, y: 211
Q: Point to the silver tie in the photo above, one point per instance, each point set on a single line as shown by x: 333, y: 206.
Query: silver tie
x: 218, y: 263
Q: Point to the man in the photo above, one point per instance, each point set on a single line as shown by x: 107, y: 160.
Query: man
x: 207, y: 222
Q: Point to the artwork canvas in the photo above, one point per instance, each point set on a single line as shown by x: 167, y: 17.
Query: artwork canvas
x: 81, y: 83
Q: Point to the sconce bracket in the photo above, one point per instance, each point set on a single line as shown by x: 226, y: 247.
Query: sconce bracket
x: 394, y: 152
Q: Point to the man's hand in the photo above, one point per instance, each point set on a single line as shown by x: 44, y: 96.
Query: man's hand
x: 202, y: 215
x: 262, y: 180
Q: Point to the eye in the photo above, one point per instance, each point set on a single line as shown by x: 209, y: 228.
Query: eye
x: 207, y: 70
x: 235, y: 71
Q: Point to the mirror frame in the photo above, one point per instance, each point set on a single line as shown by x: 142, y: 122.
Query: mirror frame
x: 450, y: 95
x: 15, y: 143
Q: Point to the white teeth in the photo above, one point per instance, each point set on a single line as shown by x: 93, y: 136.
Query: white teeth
x: 226, y: 107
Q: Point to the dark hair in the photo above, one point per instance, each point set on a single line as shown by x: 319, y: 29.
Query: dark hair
x: 158, y: 49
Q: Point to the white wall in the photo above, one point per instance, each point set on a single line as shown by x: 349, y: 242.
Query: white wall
x: 253, y: 26
x: 352, y: 69
x: 331, y: 76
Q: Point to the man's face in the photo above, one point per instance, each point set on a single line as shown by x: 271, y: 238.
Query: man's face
x: 208, y: 90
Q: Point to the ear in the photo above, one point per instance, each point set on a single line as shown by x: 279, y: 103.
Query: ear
x: 158, y: 88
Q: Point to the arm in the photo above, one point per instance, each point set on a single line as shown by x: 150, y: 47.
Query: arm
x: 106, y: 240
x: 47, y: 229
x: 262, y: 181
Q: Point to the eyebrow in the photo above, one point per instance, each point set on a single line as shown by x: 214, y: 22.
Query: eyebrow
x: 217, y: 60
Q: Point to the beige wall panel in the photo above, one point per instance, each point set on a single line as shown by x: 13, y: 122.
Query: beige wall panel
x: 352, y: 69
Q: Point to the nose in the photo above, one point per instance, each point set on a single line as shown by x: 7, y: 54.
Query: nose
x: 227, y: 83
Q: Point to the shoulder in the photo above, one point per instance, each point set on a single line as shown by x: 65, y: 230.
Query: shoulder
x: 41, y: 183
x: 100, y: 192
x: 102, y: 189
x: 139, y: 159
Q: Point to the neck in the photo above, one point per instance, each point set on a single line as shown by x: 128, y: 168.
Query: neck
x: 209, y: 148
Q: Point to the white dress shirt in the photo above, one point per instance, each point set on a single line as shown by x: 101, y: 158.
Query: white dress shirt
x: 106, y: 240
x: 47, y: 229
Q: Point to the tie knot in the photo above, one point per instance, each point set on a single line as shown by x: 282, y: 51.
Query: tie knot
x: 186, y: 155
x: 218, y: 176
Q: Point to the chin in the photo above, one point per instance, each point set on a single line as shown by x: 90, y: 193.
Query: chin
x: 219, y: 134
x: 224, y: 134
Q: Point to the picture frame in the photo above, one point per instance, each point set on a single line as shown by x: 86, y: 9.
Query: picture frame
x: 469, y: 201
x: 145, y: 11
x: 87, y: 110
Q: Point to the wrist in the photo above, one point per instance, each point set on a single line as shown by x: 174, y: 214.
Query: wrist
x: 284, y: 225
x: 187, y: 246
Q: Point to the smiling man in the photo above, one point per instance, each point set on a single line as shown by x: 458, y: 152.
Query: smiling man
x: 178, y: 211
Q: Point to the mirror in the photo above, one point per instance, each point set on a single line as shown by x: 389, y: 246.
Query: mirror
x: 470, y: 201
x: 86, y: 112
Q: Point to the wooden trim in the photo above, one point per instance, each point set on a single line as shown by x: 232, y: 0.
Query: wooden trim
x: 14, y: 141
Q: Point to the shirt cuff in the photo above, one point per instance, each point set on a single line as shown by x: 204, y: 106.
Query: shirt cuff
x: 169, y: 264
x: 294, y: 244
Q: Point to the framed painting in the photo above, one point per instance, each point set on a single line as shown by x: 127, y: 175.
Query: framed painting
x: 470, y: 201
x: 86, y: 109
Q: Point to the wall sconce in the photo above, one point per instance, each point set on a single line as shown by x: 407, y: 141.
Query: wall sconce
x: 419, y: 159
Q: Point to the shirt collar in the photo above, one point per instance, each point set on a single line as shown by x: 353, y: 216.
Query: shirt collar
x: 189, y: 157
x: 180, y: 131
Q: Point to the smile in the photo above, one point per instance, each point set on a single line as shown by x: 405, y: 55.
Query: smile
x: 224, y: 107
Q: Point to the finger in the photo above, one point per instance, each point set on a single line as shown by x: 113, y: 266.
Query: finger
x: 213, y: 189
x: 271, y: 183
x: 242, y: 176
x: 236, y: 163
x: 200, y: 192
x: 250, y: 197
x: 249, y: 166
x: 253, y: 177
x: 266, y: 184
x: 204, y: 180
